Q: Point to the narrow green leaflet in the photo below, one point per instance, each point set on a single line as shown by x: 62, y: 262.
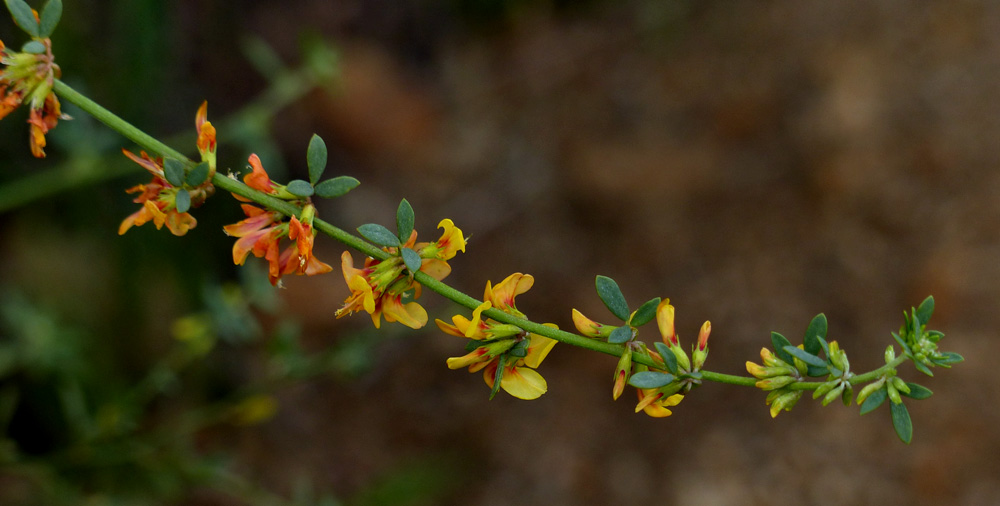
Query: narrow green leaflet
x: 411, y: 259
x: 620, y: 335
x: 404, y: 221
x: 779, y: 342
x: 817, y: 328
x: 921, y: 367
x: 49, y: 17
x: 874, y: 400
x: 947, y: 358
x: 918, y: 392
x: 23, y: 17
x: 173, y: 171
x: 901, y: 421
x: 183, y: 201
x: 316, y: 157
x: 612, y: 297
x: 336, y: 187
x: 645, y: 313
x: 300, y: 188
x: 805, y: 356
x: 198, y: 175
x: 926, y: 310
x: 650, y: 379
x: 379, y: 235
x: 668, y: 357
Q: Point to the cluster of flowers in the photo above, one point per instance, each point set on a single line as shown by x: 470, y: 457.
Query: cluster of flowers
x: 28, y: 77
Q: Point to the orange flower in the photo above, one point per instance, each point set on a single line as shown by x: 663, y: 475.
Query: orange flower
x: 30, y: 76
x: 159, y: 200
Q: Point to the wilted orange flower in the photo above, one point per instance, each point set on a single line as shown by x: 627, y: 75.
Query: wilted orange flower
x: 159, y: 200
x: 30, y: 76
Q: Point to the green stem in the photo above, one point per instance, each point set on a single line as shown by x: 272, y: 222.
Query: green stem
x: 234, y: 186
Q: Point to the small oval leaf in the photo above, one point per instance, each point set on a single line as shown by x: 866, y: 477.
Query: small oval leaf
x: 668, y: 357
x: 650, y: 379
x: 198, y: 175
x: 645, y: 313
x: 404, y: 221
x: 817, y: 328
x: 49, y: 18
x: 33, y: 47
x: 918, y: 392
x: 874, y: 400
x: 300, y: 188
x: 316, y: 157
x: 926, y: 310
x: 902, y: 423
x: 620, y: 335
x: 183, y: 201
x: 411, y: 259
x: 23, y: 17
x: 379, y: 235
x: 336, y: 187
x: 779, y: 342
x: 611, y: 295
x: 173, y: 171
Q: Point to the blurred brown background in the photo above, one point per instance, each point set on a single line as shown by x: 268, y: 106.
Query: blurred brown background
x: 755, y: 162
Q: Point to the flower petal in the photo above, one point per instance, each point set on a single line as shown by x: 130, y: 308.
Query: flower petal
x: 523, y: 383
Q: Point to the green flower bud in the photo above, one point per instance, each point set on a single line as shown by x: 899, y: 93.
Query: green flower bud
x: 900, y: 385
x: 870, y: 389
x: 893, y: 393
x: 775, y: 383
x: 890, y: 354
x: 848, y: 394
x: 833, y: 394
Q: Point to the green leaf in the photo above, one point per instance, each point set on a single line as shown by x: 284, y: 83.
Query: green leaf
x: 198, y: 175
x: 901, y: 421
x: 824, y: 346
x: 183, y: 201
x: 620, y: 335
x: 404, y: 221
x: 918, y: 392
x: 49, y: 17
x: 33, y: 47
x: 817, y: 328
x: 921, y: 367
x: 874, y: 400
x: 925, y: 310
x: 411, y: 259
x: 805, y: 356
x: 23, y: 17
x: 316, y: 157
x: 815, y: 372
x: 949, y: 357
x: 779, y: 342
x: 650, y: 379
x: 902, y: 343
x: 612, y: 297
x: 645, y: 313
x: 336, y: 187
x: 379, y: 235
x: 499, y: 375
x: 668, y: 357
x: 300, y: 188
x: 173, y: 171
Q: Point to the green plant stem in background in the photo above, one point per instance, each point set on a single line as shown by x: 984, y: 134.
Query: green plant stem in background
x: 234, y: 186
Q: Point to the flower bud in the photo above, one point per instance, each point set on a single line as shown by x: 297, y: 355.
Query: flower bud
x: 890, y: 354
x: 833, y: 394
x: 870, y: 389
x: 775, y: 382
x: 700, y: 353
x: 785, y: 401
x: 893, y: 393
x: 900, y: 385
x: 622, y: 373
x: 589, y: 327
x: 848, y: 394
x: 665, y: 321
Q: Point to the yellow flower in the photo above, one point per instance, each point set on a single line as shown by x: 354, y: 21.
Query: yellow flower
x: 655, y: 403
x: 507, y: 352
